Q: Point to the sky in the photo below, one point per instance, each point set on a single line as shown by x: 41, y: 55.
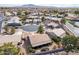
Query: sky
x: 62, y: 3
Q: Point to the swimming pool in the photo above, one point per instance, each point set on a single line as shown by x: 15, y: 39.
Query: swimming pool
x: 30, y: 27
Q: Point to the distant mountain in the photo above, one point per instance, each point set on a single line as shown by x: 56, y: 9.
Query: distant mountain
x: 42, y: 6
x: 54, y: 5
x: 23, y: 6
x: 30, y: 5
x: 36, y: 6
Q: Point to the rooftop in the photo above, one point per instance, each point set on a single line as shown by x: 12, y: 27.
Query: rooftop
x: 52, y: 24
x: 15, y: 38
x: 14, y: 20
x: 59, y: 32
x: 39, y: 39
x: 73, y: 29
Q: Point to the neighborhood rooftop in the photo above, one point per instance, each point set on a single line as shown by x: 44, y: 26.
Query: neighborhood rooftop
x: 39, y: 39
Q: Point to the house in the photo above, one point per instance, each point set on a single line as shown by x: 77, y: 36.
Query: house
x: 72, y: 29
x: 56, y: 32
x: 71, y: 16
x: 37, y: 40
x: 56, y: 19
x: 15, y: 38
x: 1, y: 21
x: 36, y: 13
x: 33, y: 14
x: 35, y: 21
x: 33, y: 17
x: 60, y: 16
x: 14, y: 12
x: 7, y: 13
x: 77, y: 24
x: 75, y: 19
x: 53, y: 18
x: 52, y: 24
x: 14, y: 21
x: 28, y: 21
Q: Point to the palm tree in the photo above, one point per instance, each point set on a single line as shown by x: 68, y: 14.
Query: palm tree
x: 40, y: 29
x: 9, y: 49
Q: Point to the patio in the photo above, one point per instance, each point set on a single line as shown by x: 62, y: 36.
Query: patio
x: 49, y: 47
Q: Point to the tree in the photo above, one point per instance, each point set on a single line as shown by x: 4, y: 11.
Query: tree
x: 45, y: 12
x: 55, y: 11
x: 26, y: 13
x: 12, y: 30
x: 6, y: 28
x: 40, y: 29
x: 76, y: 12
x: 19, y: 13
x: 30, y: 49
x: 9, y: 49
x: 43, y: 19
x: 56, y: 39
x: 69, y: 43
x: 65, y: 15
x: 9, y: 30
x: 63, y: 20
x: 61, y: 13
x: 23, y: 19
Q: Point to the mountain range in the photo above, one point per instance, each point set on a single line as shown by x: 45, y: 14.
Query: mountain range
x: 51, y: 5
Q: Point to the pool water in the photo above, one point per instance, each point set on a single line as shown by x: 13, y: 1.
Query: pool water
x: 30, y: 28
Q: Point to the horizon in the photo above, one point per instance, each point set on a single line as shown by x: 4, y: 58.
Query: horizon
x: 51, y: 5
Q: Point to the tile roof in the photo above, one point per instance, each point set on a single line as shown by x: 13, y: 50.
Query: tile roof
x: 39, y: 39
